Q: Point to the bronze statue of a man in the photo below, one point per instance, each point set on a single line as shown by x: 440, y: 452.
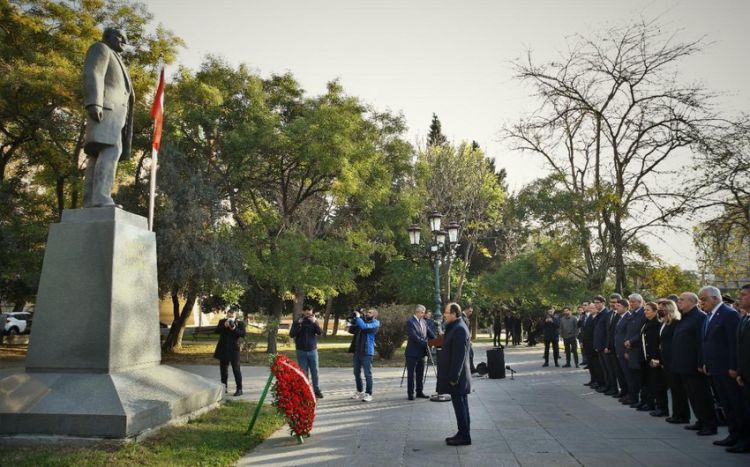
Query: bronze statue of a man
x: 109, y: 99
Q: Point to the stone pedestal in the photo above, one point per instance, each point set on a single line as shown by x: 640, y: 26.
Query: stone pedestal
x: 92, y: 368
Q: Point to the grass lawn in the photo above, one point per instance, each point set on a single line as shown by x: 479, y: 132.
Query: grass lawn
x: 216, y: 438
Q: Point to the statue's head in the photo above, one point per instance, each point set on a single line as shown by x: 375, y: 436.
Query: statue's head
x: 115, y: 39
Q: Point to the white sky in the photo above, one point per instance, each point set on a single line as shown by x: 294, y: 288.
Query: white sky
x: 452, y: 58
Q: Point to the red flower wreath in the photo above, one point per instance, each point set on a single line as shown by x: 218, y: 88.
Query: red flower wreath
x: 293, y: 395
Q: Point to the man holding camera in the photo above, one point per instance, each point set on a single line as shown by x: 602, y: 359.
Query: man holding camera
x: 453, y: 371
x: 228, y: 349
x: 305, y: 332
x: 417, y: 333
x: 363, y: 347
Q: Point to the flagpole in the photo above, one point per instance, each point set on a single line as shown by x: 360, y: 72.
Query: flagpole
x: 152, y: 188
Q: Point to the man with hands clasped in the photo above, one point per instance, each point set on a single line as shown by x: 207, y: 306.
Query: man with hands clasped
x: 453, y: 371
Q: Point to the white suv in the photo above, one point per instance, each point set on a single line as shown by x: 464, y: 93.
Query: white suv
x: 17, y: 323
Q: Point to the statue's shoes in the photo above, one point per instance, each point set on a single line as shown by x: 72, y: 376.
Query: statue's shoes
x: 113, y: 205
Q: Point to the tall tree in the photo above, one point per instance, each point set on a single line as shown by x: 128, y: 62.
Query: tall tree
x: 436, y: 137
x: 612, y: 118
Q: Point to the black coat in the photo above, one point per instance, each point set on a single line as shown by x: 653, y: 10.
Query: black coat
x: 453, y: 361
x: 650, y: 337
x: 601, y: 321
x: 665, y: 345
x: 611, y: 327
x: 633, y: 334
x: 305, y: 334
x: 688, y: 343
x: 743, y: 353
x: 621, y: 334
x: 588, y: 334
x: 228, y: 347
x: 551, y: 328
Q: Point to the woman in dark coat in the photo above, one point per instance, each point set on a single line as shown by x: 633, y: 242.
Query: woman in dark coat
x: 228, y: 349
x: 656, y: 392
x: 680, y: 407
x: 454, y: 372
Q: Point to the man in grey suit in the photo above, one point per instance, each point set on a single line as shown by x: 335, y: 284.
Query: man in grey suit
x: 109, y: 99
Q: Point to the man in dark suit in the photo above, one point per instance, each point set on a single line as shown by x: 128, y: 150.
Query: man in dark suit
x: 509, y: 323
x: 623, y: 373
x: 588, y: 347
x: 497, y: 328
x: 601, y: 321
x: 720, y: 359
x: 228, y: 349
x: 417, y: 333
x: 551, y: 332
x: 687, y: 358
x: 453, y: 372
x: 609, y: 354
x: 634, y: 353
x: 743, y: 366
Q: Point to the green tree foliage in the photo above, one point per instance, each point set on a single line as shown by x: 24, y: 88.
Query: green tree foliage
x: 462, y: 185
x: 546, y: 274
x: 392, y: 332
x: 311, y: 183
x: 197, y: 256
x: 662, y: 280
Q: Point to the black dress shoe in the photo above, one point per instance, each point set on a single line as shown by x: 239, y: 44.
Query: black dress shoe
x: 694, y: 427
x: 601, y: 390
x: 645, y: 408
x: 611, y: 392
x: 567, y: 365
x: 708, y: 431
x: 728, y: 441
x: 740, y: 447
x: 677, y: 420
x: 238, y: 392
x: 658, y: 413
x: 634, y: 405
x: 557, y: 364
x: 411, y: 398
x: 451, y: 437
x: 422, y: 395
x: 319, y: 395
x: 458, y: 442
x: 546, y: 364
x: 589, y: 383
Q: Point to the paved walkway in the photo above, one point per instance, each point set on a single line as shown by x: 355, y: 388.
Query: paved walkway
x: 544, y: 417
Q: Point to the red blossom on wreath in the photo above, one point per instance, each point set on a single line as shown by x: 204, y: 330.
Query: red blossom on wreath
x: 293, y: 395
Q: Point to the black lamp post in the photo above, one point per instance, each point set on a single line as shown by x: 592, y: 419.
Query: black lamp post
x: 443, y: 245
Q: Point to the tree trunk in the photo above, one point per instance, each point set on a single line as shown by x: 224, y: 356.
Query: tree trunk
x: 60, y: 195
x: 335, y: 325
x: 277, y: 306
x: 174, y: 338
x: 299, y: 302
x: 620, y: 274
x: 327, y: 315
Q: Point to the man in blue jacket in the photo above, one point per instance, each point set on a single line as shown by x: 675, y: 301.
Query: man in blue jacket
x: 305, y: 332
x: 453, y: 372
x: 720, y: 359
x: 417, y: 332
x: 687, y: 359
x: 621, y: 307
x: 364, y: 350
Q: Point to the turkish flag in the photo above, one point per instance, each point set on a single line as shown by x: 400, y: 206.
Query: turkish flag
x: 157, y: 111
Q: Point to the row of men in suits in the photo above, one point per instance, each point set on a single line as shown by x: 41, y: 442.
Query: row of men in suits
x: 694, y: 347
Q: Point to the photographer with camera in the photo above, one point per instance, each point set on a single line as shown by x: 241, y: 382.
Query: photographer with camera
x: 363, y: 348
x: 305, y: 331
x: 228, y: 349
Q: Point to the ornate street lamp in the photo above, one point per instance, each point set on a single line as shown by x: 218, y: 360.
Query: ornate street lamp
x: 453, y: 229
x: 434, y: 218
